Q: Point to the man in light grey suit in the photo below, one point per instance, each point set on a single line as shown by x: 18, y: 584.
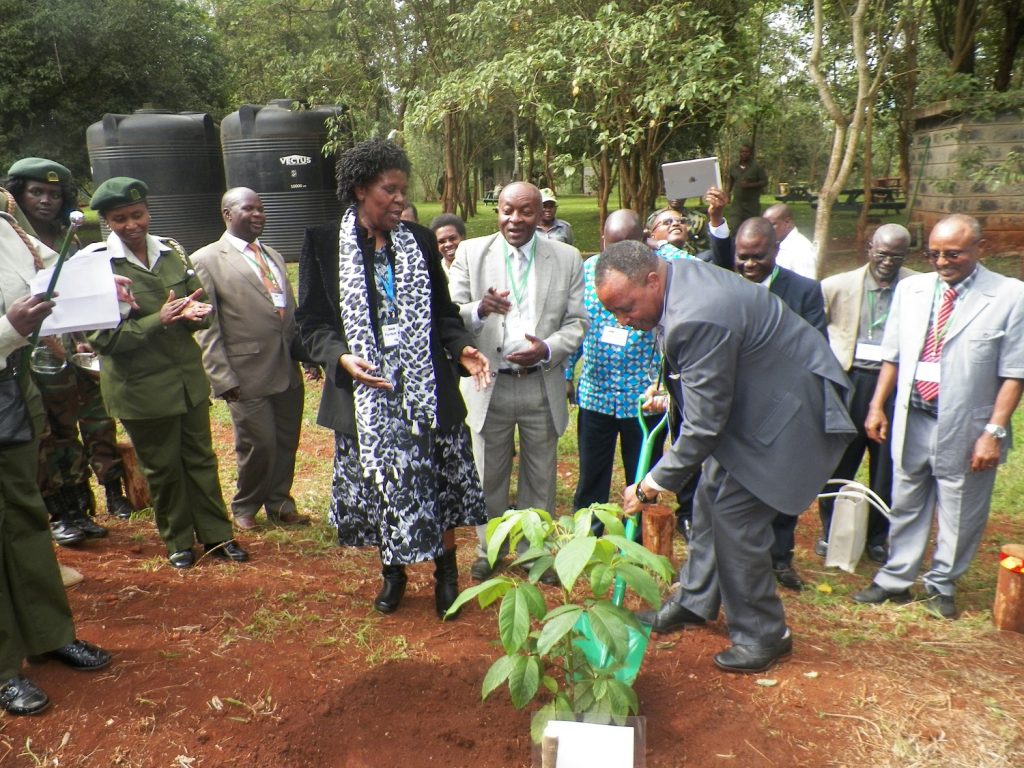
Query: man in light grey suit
x: 763, y: 404
x: 954, y: 353
x: 522, y: 297
x: 250, y: 352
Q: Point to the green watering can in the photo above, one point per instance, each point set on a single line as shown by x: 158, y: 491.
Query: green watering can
x: 596, y: 652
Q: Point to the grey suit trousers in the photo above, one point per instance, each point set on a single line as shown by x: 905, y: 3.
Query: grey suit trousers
x: 516, y: 403
x: 266, y: 439
x: 960, y: 501
x: 729, y: 562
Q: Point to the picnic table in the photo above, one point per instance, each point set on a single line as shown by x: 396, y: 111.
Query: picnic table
x: 883, y: 198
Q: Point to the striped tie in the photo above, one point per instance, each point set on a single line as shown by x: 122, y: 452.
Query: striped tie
x: 266, y: 275
x: 932, y: 352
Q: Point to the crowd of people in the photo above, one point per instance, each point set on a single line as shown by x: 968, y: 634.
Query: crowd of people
x: 442, y: 357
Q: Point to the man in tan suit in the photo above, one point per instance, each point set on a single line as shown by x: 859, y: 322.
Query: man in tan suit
x: 521, y: 296
x: 250, y: 352
x: 857, y: 308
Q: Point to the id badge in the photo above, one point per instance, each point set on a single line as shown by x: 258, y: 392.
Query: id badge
x: 280, y: 300
x: 869, y: 352
x: 517, y: 327
x: 930, y: 372
x: 614, y: 335
x: 390, y: 334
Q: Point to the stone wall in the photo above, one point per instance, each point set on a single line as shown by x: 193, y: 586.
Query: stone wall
x: 953, y: 158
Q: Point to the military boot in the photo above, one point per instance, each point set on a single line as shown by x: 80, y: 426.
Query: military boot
x: 65, y: 533
x: 117, y: 503
x: 81, y: 506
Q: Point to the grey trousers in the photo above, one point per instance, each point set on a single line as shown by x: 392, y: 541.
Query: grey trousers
x: 729, y: 563
x: 516, y: 404
x: 961, y: 503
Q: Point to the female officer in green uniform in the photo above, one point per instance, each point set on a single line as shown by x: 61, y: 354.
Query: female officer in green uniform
x: 152, y: 377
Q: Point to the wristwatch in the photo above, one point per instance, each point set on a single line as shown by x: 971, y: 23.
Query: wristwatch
x: 643, y: 497
x: 999, y: 433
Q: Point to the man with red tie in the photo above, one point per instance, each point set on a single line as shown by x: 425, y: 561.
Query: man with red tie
x: 250, y: 352
x: 954, y: 353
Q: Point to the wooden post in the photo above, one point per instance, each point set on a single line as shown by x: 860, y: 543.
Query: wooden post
x: 549, y: 751
x: 1008, y: 609
x: 659, y: 525
x: 136, y: 489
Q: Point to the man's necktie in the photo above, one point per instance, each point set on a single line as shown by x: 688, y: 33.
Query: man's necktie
x: 932, y: 352
x: 268, y: 278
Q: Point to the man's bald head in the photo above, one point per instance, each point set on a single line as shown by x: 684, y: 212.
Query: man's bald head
x: 519, y: 209
x: 243, y: 214
x: 781, y: 218
x: 622, y: 225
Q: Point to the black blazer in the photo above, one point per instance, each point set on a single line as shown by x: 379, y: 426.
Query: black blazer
x: 323, y: 336
x: 720, y: 253
x: 803, y: 296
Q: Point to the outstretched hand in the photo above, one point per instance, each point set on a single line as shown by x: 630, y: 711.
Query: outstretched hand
x: 474, y: 361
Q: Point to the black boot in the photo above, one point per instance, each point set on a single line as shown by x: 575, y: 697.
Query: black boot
x: 390, y: 594
x: 117, y: 504
x: 65, y: 533
x: 81, y: 505
x: 446, y: 588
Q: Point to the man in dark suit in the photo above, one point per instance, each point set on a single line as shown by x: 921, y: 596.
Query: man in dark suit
x: 763, y: 403
x: 756, y: 252
x: 249, y: 352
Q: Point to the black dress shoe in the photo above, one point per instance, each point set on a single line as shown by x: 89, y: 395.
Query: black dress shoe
x: 183, y: 558
x: 20, y: 696
x: 66, y: 534
x: 81, y: 655
x: 85, y: 524
x: 877, y: 553
x: 481, y: 569
x: 227, y: 550
x: 875, y: 595
x: 940, y: 606
x: 755, y: 658
x: 789, y: 578
x: 670, y: 617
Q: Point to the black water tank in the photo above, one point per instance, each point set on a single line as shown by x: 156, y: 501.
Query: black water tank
x: 278, y: 151
x: 178, y: 156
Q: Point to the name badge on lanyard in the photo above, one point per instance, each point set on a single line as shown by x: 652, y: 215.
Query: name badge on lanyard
x: 868, y: 352
x: 928, y: 372
x: 280, y: 302
x: 614, y: 335
x: 390, y: 335
x: 517, y: 326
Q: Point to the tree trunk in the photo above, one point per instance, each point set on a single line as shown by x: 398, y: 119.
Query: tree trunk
x: 515, y: 145
x: 869, y: 176
x: 448, y: 137
x: 1013, y: 33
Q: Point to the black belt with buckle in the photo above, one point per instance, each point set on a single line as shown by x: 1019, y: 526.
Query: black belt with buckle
x: 519, y: 372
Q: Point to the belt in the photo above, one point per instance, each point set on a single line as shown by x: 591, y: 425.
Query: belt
x: 519, y: 372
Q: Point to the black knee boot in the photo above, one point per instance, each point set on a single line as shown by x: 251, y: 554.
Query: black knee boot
x: 80, y: 501
x: 117, y: 505
x: 446, y: 574
x: 390, y: 594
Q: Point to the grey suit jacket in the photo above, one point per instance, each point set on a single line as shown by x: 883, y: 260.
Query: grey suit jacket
x: 561, y: 318
x: 984, y: 345
x: 248, y: 345
x: 844, y: 294
x: 761, y: 391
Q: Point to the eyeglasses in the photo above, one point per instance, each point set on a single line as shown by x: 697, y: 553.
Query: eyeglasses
x: 668, y: 222
x: 894, y: 258
x: 947, y: 255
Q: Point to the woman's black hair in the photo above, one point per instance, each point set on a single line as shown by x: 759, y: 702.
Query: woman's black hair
x: 16, y: 186
x: 360, y: 165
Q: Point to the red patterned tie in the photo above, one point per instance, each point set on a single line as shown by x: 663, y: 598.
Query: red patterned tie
x: 266, y: 275
x: 932, y: 352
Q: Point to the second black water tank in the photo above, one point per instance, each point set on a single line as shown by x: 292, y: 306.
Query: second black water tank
x: 278, y: 151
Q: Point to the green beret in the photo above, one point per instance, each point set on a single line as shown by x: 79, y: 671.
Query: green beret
x: 117, y: 193
x: 40, y: 169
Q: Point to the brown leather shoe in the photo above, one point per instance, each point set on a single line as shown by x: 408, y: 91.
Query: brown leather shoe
x: 292, y: 518
x: 246, y: 523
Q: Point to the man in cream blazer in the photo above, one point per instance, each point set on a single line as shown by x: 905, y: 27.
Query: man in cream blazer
x: 522, y: 297
x: 250, y: 352
x: 954, y: 352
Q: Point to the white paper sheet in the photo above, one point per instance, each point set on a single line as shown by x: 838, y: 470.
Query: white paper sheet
x: 88, y: 295
x: 586, y: 745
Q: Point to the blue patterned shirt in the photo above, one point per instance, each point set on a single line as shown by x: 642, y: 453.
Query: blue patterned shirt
x: 613, y: 376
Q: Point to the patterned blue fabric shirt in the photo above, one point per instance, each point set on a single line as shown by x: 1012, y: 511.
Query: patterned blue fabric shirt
x: 613, y: 376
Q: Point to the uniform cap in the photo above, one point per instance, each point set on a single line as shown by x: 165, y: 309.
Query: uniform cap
x: 547, y: 195
x: 117, y: 193
x: 40, y: 169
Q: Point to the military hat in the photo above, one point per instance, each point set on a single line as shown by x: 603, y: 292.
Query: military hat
x: 117, y: 193
x: 40, y: 169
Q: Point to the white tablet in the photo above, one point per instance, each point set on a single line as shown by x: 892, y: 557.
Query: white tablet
x: 691, y: 178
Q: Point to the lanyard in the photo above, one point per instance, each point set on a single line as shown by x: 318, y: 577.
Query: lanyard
x: 387, y: 283
x: 518, y: 290
x: 771, y: 277
x: 264, y: 267
x: 939, y: 336
x: 875, y: 322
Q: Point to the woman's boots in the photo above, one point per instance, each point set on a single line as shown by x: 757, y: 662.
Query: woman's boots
x: 446, y: 589
x: 390, y: 594
x: 446, y: 574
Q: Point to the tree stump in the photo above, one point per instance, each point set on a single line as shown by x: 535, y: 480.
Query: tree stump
x: 659, y: 525
x: 1008, y: 609
x: 136, y: 489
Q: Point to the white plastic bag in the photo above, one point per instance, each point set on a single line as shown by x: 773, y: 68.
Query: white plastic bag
x: 847, y: 536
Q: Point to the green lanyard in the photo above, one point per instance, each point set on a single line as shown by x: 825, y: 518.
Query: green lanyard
x: 875, y: 322
x: 771, y: 277
x: 518, y: 291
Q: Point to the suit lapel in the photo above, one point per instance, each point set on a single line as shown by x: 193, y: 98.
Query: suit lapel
x: 978, y: 297
x: 238, y: 262
x: 542, y: 279
x: 920, y: 296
